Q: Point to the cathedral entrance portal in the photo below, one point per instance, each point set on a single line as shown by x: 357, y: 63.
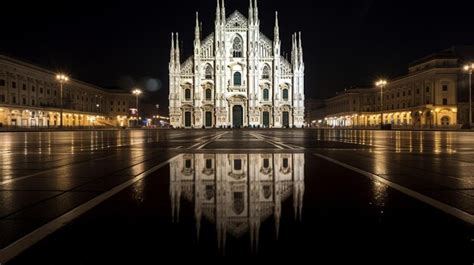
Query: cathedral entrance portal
x: 266, y: 119
x: 237, y: 116
x: 286, y: 119
x: 208, y: 119
x: 187, y: 119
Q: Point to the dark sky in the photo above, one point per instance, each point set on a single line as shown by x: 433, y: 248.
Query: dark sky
x: 125, y: 43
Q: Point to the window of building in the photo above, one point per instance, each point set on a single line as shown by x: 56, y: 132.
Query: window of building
x: 24, y: 101
x: 187, y: 94
x: 24, y: 86
x: 237, y: 47
x: 237, y: 164
x: 445, y: 101
x: 403, y: 105
x: 47, y: 92
x: 404, y: 94
x: 285, y: 94
x: 188, y: 163
x: 2, y: 98
x: 13, y: 84
x: 14, y: 99
x: 266, y: 72
x: 208, y: 72
x: 32, y: 102
x: 33, y: 88
x: 445, y: 87
x: 2, y: 82
x: 55, y: 93
x: 237, y: 79
x: 209, y: 163
x: 417, y: 91
x: 266, y: 94
x: 427, y: 89
x: 285, y: 163
x: 266, y: 163
x: 409, y: 92
x: 398, y: 94
x: 208, y: 94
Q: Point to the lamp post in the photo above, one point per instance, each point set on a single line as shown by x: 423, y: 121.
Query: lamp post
x: 381, y: 84
x: 137, y: 92
x: 62, y: 79
x: 469, y: 68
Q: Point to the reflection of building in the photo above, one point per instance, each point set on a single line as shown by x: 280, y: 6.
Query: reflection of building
x: 237, y: 77
x: 428, y: 96
x: 30, y: 97
x: 237, y: 191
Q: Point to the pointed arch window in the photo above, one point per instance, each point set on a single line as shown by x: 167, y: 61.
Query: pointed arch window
x: 237, y: 47
x: 266, y: 72
x: 237, y: 79
x: 208, y: 72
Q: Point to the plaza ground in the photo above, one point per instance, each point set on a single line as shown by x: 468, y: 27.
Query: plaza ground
x: 88, y: 197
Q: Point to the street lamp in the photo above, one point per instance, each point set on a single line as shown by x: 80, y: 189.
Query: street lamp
x: 381, y: 84
x: 469, y: 68
x: 62, y: 79
x: 137, y: 92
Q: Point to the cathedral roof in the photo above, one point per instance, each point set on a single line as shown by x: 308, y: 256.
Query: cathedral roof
x: 236, y: 20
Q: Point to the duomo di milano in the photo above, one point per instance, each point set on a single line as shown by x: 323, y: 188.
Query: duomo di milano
x: 237, y: 77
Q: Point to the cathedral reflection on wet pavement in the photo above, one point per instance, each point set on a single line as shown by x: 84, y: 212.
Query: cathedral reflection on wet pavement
x: 237, y: 192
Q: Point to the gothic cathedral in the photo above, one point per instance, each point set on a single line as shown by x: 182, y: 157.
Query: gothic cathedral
x: 237, y: 77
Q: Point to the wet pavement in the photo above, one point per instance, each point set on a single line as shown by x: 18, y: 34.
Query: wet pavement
x: 118, y: 196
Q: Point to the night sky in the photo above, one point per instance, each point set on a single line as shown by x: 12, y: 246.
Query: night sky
x: 126, y: 43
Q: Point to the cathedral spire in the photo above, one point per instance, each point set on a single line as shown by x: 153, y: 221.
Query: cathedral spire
x: 293, y: 50
x: 218, y: 13
x: 178, y: 59
x: 197, y: 31
x: 277, y: 28
x: 223, y: 15
x: 256, y: 11
x: 172, y: 52
x: 300, y: 49
x: 250, y: 12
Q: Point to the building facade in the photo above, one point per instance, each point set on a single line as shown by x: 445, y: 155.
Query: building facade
x: 237, y: 192
x: 428, y: 96
x: 30, y: 97
x: 237, y: 77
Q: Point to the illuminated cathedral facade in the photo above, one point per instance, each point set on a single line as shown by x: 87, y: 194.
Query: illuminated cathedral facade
x: 237, y: 77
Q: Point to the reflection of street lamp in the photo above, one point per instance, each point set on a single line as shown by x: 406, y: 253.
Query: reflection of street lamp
x: 469, y: 68
x: 381, y: 84
x: 137, y: 92
x: 62, y: 79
